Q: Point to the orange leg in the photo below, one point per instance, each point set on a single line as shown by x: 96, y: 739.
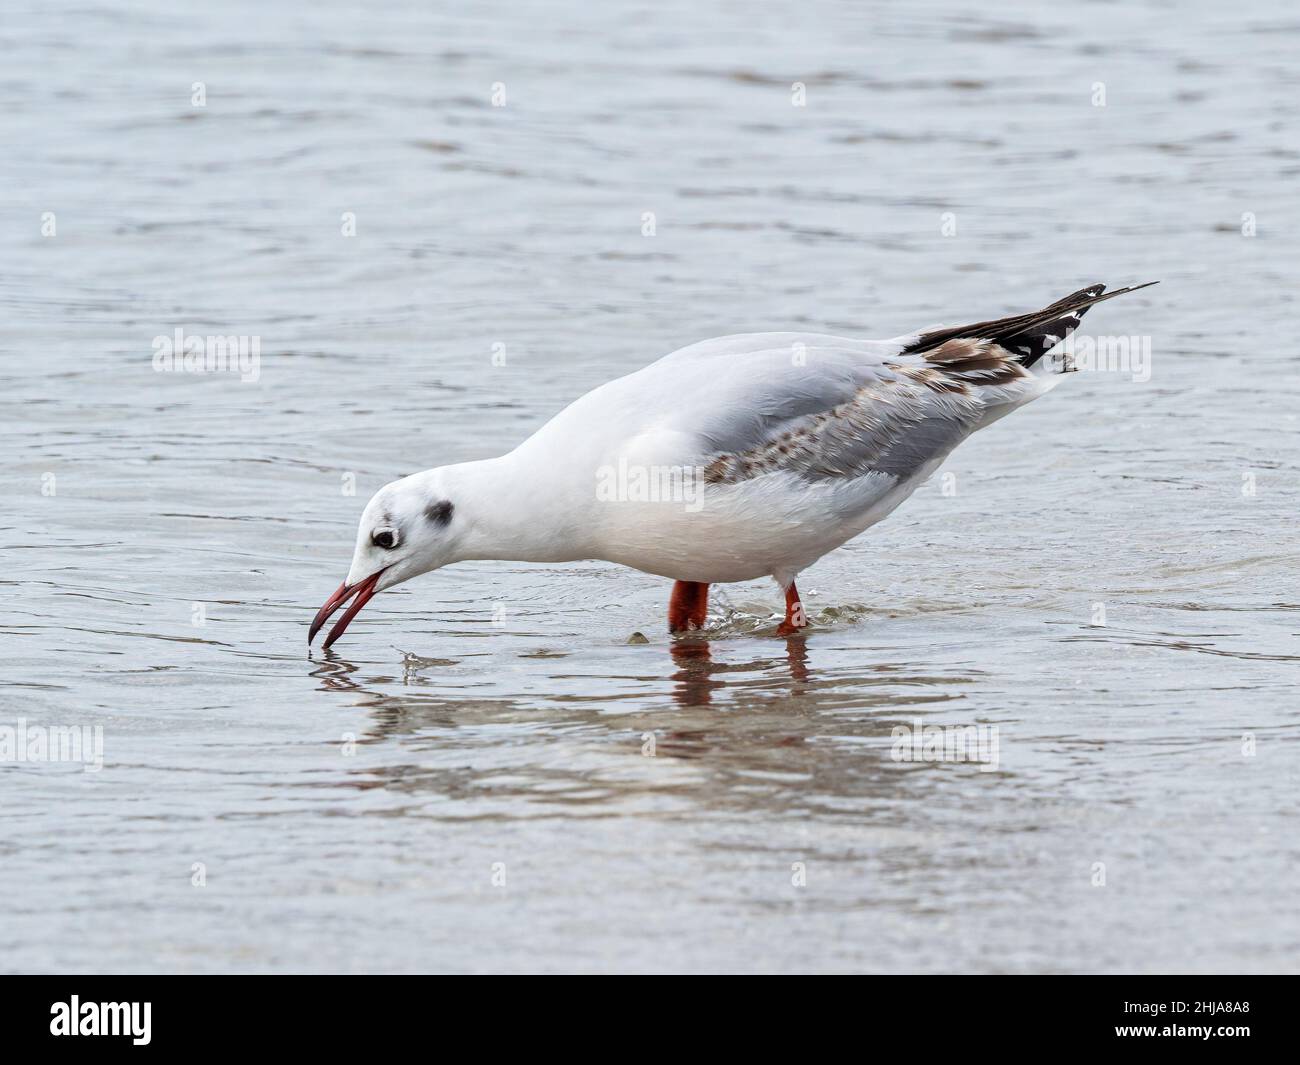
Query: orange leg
x: 794, y: 615
x: 688, y: 606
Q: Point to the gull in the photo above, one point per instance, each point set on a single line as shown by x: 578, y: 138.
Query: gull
x: 732, y: 459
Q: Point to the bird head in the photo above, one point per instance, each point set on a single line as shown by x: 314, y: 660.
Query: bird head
x: 409, y: 527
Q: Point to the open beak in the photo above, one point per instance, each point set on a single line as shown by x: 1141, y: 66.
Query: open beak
x: 363, y: 590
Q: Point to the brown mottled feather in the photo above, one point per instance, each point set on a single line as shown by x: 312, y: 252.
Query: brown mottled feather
x: 892, y: 426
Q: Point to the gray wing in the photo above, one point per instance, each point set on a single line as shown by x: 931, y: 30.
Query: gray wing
x: 824, y: 408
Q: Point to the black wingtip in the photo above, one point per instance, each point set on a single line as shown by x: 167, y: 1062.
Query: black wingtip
x: 1132, y: 288
x: 1030, y: 336
x: 1098, y: 294
x: 1041, y: 332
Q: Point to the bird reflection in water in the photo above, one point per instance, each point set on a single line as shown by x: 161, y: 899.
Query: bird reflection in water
x: 742, y: 711
x: 695, y: 681
x: 697, y: 676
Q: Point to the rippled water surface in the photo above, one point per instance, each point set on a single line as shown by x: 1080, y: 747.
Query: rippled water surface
x: 464, y: 783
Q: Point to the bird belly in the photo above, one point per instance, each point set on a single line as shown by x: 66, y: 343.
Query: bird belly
x: 768, y: 526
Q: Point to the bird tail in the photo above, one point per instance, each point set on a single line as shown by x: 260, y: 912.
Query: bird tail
x: 1027, y: 336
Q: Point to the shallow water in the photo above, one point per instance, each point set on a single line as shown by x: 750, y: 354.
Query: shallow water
x: 1107, y: 576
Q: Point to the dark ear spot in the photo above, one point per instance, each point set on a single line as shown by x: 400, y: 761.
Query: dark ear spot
x: 439, y: 513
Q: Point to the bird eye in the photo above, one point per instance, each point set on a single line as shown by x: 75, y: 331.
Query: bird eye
x: 385, y: 538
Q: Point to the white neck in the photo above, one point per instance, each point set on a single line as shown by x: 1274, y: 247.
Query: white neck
x: 508, y: 509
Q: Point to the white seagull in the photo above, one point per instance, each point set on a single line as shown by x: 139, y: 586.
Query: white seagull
x: 735, y: 458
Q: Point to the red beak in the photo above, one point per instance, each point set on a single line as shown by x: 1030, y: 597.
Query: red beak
x: 363, y: 590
